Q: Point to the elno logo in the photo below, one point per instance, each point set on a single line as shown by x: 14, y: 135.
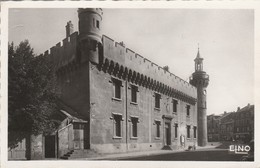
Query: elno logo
x: 239, y: 149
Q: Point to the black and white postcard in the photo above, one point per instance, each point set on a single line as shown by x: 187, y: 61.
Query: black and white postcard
x: 153, y: 84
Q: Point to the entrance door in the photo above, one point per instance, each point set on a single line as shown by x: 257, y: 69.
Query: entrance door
x: 167, y: 133
x: 79, y: 135
x: 50, y: 146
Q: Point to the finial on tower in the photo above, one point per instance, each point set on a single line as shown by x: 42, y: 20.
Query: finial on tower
x: 198, y: 54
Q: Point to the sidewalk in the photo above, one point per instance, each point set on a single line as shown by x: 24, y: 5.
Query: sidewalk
x: 144, y: 153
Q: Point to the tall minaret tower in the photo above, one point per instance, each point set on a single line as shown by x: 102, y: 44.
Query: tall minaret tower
x: 200, y: 80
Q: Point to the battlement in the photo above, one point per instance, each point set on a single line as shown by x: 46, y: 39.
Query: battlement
x: 124, y: 56
x: 63, y: 52
x: 94, y: 10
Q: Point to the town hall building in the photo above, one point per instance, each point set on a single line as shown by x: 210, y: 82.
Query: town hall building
x: 115, y: 100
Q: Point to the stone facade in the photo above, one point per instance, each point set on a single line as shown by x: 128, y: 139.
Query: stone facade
x: 244, y: 123
x: 226, y: 131
x: 232, y: 126
x: 127, y: 100
x: 213, y: 124
x: 31, y: 147
x: 115, y: 100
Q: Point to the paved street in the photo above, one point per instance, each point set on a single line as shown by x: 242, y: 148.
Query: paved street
x: 202, y: 155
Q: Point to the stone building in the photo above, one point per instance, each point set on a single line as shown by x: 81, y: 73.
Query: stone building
x: 213, y: 122
x: 232, y: 126
x: 115, y: 100
x: 226, y: 129
x: 244, y: 123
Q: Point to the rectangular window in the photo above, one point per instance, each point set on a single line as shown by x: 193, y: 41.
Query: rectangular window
x: 188, y: 110
x: 157, y: 100
x: 188, y: 131
x: 117, y: 125
x: 97, y: 24
x: 117, y: 88
x: 195, y: 131
x: 175, y: 103
x: 134, y: 90
x: 157, y: 123
x: 176, y: 131
x: 134, y: 126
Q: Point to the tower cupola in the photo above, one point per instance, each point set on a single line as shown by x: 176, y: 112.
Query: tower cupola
x: 198, y: 62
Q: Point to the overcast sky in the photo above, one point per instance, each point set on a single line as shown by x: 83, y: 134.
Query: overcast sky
x: 166, y: 37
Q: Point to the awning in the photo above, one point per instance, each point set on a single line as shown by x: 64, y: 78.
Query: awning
x: 73, y: 118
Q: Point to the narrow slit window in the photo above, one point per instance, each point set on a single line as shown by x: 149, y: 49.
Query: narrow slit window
x: 157, y: 124
x: 97, y: 24
x: 188, y: 110
x: 195, y: 131
x: 175, y: 104
x: 188, y: 131
x: 134, y: 126
x: 117, y: 125
x: 134, y: 90
x: 157, y: 100
x: 176, y: 130
x: 117, y: 88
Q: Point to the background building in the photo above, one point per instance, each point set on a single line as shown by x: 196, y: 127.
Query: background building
x: 244, y: 123
x: 232, y: 126
x: 213, y: 127
x: 226, y: 132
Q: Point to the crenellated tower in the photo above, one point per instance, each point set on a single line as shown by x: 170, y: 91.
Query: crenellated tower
x: 200, y: 80
x: 90, y: 35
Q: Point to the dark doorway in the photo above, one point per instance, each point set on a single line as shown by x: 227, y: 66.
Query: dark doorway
x: 168, y: 133
x: 50, y: 146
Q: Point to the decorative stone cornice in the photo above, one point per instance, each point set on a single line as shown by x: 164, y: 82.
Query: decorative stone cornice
x: 120, y: 71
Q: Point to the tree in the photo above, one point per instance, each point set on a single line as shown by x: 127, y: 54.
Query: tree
x: 31, y: 93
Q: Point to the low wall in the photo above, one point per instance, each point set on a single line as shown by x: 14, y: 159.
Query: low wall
x: 37, y: 147
x: 19, y: 152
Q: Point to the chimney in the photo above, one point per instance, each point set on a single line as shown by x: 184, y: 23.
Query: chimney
x: 238, y: 108
x: 225, y: 112
x: 69, y: 29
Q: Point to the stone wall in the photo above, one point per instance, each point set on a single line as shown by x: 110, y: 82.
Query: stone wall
x: 19, y: 152
x: 74, y: 89
x: 64, y: 52
x: 103, y: 106
x: 135, y: 62
x: 37, y: 147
